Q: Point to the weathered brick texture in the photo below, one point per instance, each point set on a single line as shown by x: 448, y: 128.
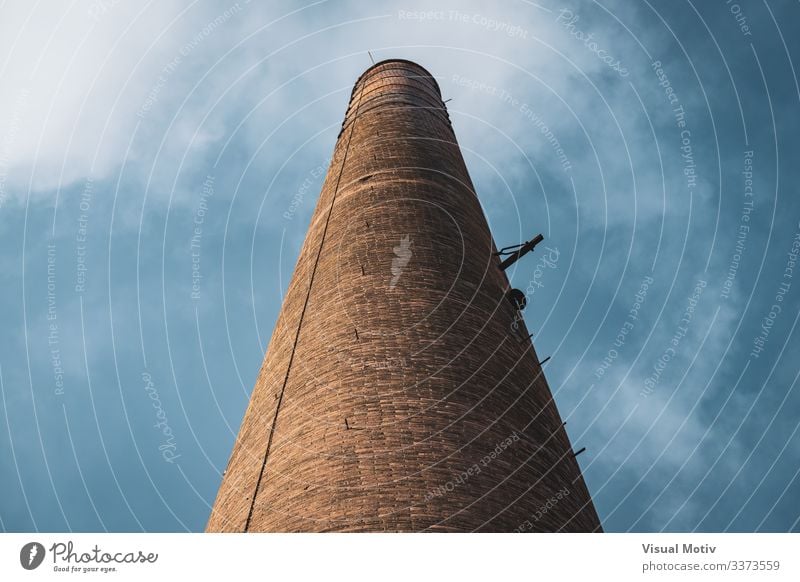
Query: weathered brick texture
x: 393, y: 373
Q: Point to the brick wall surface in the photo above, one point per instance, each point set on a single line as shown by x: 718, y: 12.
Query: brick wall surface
x: 394, y: 395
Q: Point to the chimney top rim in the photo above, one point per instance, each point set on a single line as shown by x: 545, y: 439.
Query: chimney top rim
x: 403, y: 61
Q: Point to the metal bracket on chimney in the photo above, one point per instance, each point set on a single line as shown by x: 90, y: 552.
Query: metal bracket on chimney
x: 516, y: 252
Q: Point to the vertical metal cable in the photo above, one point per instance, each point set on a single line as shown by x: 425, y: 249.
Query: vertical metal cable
x: 303, y: 312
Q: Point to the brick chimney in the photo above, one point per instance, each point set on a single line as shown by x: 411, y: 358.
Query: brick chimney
x: 399, y: 391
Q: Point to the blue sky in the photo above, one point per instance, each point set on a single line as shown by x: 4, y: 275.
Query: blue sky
x: 159, y: 163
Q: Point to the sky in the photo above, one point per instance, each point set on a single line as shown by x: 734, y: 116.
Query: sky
x: 160, y: 161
